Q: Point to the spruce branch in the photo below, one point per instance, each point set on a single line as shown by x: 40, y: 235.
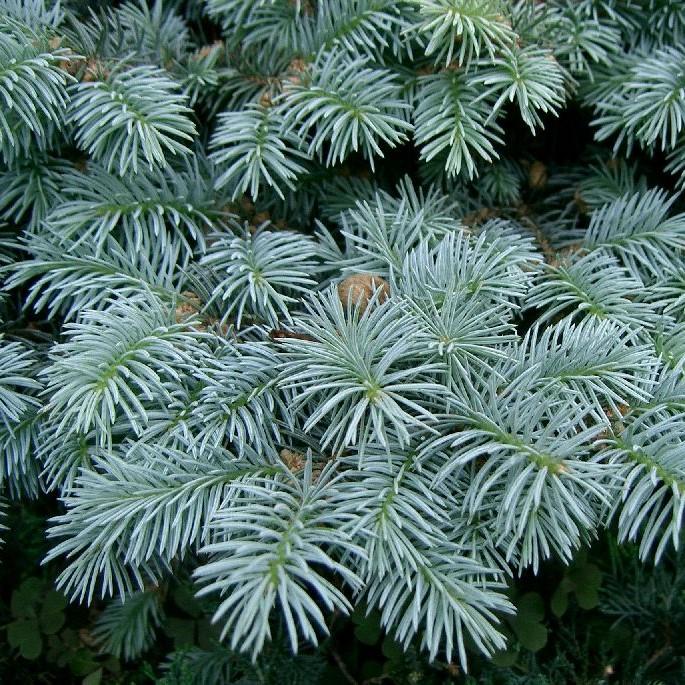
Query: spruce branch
x: 451, y: 119
x: 348, y: 105
x: 281, y: 558
x: 135, y: 117
x: 136, y: 511
x: 251, y: 149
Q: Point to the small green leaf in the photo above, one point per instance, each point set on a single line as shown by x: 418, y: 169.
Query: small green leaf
x: 566, y: 584
x: 588, y: 597
x: 587, y: 575
x: 51, y: 621
x: 530, y: 607
x: 392, y: 650
x: 25, y: 636
x: 505, y: 658
x: 26, y: 597
x: 83, y: 662
x: 587, y: 580
x: 17, y: 631
x: 93, y: 678
x: 530, y: 610
x: 54, y: 602
x: 532, y: 635
x: 559, y: 602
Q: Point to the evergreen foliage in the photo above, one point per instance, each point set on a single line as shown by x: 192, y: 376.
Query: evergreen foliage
x: 285, y: 306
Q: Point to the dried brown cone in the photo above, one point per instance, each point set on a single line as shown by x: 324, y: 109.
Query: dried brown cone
x: 359, y: 289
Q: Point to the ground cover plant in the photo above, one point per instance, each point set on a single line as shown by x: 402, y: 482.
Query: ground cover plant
x: 342, y: 322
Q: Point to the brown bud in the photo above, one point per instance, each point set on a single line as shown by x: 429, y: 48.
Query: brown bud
x: 207, y: 50
x: 261, y: 218
x: 68, y: 60
x: 188, y: 307
x: 360, y: 288
x: 295, y: 72
x: 94, y: 71
x: 277, y: 334
x: 246, y: 204
x: 297, y: 64
x: 479, y: 216
x: 537, y: 175
x: 580, y: 203
x: 293, y: 460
